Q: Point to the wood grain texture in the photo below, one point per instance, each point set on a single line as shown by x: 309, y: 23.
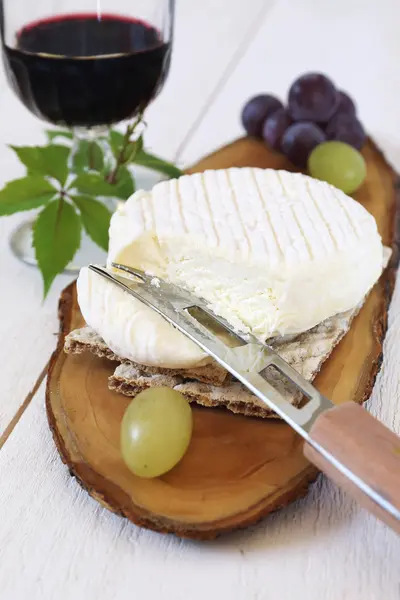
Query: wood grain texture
x: 367, y: 449
x: 57, y: 542
x: 237, y: 469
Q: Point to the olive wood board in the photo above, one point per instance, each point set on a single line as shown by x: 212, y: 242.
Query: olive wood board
x: 237, y: 469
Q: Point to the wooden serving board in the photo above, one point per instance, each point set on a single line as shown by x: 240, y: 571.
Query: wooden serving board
x: 237, y: 469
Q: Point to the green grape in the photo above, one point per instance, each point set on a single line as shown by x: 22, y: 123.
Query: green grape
x: 338, y: 164
x: 156, y: 431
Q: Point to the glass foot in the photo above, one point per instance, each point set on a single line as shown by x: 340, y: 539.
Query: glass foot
x: 22, y: 248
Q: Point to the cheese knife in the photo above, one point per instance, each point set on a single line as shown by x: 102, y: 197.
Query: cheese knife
x: 344, y: 441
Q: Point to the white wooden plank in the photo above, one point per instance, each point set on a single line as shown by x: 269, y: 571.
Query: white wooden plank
x: 208, y: 34
x: 355, y: 42
x: 27, y: 327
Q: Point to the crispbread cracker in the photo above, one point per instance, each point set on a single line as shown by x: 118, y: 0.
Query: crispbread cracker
x: 211, y: 385
x: 87, y: 340
x: 305, y: 353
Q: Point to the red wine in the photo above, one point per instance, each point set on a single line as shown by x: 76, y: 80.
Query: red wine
x: 79, y: 70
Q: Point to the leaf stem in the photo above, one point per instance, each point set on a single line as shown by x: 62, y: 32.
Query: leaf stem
x: 122, y: 158
x: 59, y: 212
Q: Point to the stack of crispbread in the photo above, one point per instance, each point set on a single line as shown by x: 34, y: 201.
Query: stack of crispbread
x: 211, y: 385
x: 273, y: 253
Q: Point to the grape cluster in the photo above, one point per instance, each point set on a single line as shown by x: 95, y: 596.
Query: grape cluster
x: 316, y: 112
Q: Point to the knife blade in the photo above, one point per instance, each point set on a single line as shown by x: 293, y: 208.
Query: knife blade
x: 334, y: 440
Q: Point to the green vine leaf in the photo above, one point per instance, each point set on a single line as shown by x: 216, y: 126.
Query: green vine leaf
x: 24, y: 194
x: 140, y: 144
x: 116, y: 139
x: 133, y: 150
x: 51, y: 161
x: 93, y: 184
x: 155, y: 163
x: 77, y: 201
x: 56, y: 239
x: 95, y: 218
x: 125, y: 184
x: 88, y: 156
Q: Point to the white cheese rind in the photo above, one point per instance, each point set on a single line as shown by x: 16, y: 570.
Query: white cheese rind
x: 273, y: 252
x: 132, y: 330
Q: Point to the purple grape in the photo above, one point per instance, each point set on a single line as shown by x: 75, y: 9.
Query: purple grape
x: 299, y: 140
x: 346, y: 128
x: 256, y: 111
x: 275, y: 126
x: 346, y: 105
x: 313, y: 97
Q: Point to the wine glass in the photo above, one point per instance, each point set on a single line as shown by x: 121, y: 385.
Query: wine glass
x: 84, y: 64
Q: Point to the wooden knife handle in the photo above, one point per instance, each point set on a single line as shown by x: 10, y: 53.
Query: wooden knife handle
x: 367, y: 449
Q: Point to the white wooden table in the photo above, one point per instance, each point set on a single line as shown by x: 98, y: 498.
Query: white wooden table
x: 55, y: 541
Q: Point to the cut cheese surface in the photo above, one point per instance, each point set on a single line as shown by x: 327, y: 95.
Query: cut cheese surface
x: 273, y: 252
